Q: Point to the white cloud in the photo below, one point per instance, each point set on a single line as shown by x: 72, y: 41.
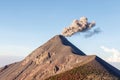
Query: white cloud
x: 115, y: 54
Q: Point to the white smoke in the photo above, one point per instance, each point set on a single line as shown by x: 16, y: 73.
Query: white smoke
x: 78, y: 26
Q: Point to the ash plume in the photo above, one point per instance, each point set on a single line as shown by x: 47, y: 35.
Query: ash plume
x: 81, y: 25
x: 91, y: 33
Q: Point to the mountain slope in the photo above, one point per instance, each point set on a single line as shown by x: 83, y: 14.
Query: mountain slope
x: 56, y: 56
x: 93, y: 70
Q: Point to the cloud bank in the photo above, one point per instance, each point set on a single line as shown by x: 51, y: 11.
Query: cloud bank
x: 115, y: 54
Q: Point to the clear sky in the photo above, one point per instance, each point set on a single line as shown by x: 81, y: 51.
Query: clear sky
x: 27, y: 24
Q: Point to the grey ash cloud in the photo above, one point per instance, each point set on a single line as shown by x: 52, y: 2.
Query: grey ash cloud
x: 91, y: 33
x: 81, y: 25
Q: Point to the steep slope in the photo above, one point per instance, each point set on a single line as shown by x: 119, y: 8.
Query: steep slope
x: 54, y: 57
x: 93, y: 70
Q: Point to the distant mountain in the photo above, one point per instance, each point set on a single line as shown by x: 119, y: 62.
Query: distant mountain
x: 5, y: 59
x: 58, y: 59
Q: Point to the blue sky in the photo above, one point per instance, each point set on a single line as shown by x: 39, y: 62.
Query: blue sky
x: 27, y: 24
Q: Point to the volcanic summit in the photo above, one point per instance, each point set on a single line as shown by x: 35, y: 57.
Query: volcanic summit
x: 58, y: 59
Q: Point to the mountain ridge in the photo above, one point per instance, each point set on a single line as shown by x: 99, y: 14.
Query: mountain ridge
x: 56, y: 56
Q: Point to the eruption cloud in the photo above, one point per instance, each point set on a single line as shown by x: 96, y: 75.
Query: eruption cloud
x: 91, y: 33
x: 81, y: 25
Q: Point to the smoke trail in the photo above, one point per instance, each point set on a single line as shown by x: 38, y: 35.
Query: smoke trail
x: 91, y: 33
x: 78, y: 26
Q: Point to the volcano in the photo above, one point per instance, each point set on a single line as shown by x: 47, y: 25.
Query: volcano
x: 58, y: 59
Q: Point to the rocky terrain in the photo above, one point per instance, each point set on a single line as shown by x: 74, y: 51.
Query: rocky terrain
x: 58, y: 59
x: 93, y: 70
